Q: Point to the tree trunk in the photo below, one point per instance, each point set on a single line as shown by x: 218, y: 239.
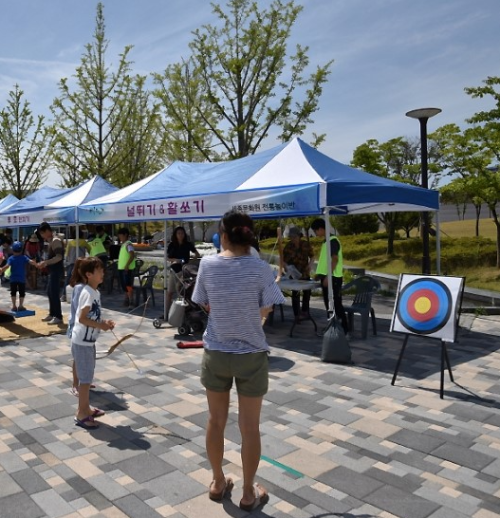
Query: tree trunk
x: 497, y: 223
x: 494, y: 215
x: 390, y: 221
x: 191, y: 232
x: 391, y: 232
x: 478, y: 214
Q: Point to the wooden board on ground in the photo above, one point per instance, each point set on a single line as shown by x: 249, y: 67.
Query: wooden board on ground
x: 29, y: 327
x: 22, y: 314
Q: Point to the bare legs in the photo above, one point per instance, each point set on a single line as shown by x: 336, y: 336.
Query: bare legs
x: 218, y: 408
x: 249, y: 419
x: 249, y: 423
x: 84, y: 409
x: 76, y: 382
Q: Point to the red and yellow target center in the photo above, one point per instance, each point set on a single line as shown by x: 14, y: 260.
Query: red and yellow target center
x: 423, y: 305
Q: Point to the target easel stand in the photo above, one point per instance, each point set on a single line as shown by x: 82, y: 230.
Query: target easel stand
x: 428, y: 306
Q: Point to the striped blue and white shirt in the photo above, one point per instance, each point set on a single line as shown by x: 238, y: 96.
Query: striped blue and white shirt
x: 235, y: 288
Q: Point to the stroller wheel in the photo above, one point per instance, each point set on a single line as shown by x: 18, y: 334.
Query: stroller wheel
x: 184, y: 330
x: 197, y: 326
x: 157, y: 323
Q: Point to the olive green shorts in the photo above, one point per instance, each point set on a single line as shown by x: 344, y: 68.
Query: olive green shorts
x: 250, y: 372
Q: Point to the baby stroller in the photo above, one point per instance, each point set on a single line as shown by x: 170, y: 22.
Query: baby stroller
x: 194, y: 317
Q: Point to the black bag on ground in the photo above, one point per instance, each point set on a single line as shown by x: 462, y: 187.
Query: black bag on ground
x: 335, y: 345
x: 5, y: 318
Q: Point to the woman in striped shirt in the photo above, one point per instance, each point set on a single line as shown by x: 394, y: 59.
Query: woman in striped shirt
x: 238, y: 290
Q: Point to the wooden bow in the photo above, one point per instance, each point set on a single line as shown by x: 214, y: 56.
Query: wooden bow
x: 119, y: 341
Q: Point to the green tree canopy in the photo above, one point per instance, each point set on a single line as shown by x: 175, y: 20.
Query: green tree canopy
x: 486, y: 134
x: 98, y: 113
x: 241, y: 66
x: 395, y: 159
x: 188, y: 117
x: 24, y: 146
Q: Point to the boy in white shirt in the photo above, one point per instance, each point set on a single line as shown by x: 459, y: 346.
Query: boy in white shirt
x: 88, y: 324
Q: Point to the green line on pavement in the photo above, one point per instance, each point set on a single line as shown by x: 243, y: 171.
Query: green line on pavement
x: 290, y: 470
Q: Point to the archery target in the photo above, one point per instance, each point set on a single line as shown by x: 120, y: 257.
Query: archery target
x: 427, y: 306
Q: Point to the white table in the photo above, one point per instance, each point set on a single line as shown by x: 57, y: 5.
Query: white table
x: 298, y: 285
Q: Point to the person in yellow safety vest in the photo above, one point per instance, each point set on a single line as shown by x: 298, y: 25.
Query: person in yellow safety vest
x: 126, y: 265
x: 99, y: 245
x: 318, y: 226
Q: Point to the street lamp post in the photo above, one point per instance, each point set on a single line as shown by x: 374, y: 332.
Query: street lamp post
x: 423, y: 115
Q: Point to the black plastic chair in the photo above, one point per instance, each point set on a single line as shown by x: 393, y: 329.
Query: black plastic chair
x: 139, y: 263
x: 144, y: 284
x: 363, y: 288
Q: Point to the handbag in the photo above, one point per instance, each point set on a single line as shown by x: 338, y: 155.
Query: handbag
x: 335, y: 347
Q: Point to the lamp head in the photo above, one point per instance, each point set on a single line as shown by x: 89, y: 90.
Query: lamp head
x: 423, y: 113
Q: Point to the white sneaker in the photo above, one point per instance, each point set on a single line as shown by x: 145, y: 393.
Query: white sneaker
x: 55, y: 321
x: 48, y: 318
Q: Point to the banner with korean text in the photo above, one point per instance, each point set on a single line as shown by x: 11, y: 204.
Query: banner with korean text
x: 266, y: 203
x: 34, y: 218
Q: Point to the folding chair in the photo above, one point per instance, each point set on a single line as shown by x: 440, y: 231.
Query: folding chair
x: 363, y: 287
x: 144, y: 284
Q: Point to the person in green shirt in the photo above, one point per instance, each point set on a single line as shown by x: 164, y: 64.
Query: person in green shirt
x: 318, y: 226
x: 99, y: 245
x: 126, y: 265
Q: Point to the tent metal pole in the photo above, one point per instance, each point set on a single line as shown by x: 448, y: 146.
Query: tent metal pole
x: 165, y: 272
x: 77, y: 233
x: 438, y: 245
x: 328, y: 229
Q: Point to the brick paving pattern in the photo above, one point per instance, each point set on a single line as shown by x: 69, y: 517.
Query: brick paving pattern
x: 338, y: 440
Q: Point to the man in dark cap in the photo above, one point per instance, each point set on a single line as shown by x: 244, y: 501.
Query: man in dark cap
x: 55, y: 264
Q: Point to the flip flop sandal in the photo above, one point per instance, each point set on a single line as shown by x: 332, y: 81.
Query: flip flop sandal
x: 217, y: 497
x: 97, y: 412
x: 260, y: 499
x: 84, y: 423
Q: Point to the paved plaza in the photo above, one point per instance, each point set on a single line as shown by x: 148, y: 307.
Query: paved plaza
x: 338, y: 440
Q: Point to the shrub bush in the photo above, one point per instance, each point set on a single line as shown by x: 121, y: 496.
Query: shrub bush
x: 356, y: 224
x: 456, y: 253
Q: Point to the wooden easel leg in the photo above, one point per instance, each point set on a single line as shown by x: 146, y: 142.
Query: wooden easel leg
x: 399, y: 359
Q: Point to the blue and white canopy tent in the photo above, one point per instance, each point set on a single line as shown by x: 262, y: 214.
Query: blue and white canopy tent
x: 19, y: 214
x: 7, y: 202
x: 56, y: 206
x: 292, y: 179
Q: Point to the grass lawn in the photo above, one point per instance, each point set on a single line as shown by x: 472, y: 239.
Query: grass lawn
x: 375, y: 258
x: 467, y: 228
x: 485, y: 278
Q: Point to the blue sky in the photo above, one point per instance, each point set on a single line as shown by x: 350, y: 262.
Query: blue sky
x: 390, y: 56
